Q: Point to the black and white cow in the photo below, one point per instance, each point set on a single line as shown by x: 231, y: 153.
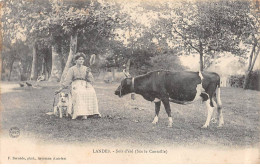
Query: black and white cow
x: 179, y: 87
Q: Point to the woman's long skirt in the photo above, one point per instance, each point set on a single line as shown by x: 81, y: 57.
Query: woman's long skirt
x: 83, y: 99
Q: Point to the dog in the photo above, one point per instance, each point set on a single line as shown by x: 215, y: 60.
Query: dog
x: 62, y: 105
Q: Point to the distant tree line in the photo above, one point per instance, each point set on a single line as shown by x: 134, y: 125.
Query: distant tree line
x: 43, y: 36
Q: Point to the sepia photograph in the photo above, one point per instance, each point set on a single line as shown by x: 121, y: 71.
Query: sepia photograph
x: 129, y: 82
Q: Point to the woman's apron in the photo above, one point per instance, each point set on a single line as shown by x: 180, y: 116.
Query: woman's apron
x: 83, y: 99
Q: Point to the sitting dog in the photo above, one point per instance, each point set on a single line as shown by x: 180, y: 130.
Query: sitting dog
x: 62, y: 105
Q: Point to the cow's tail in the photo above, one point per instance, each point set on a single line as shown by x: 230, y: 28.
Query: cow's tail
x: 218, y: 100
x: 219, y: 104
x: 218, y: 83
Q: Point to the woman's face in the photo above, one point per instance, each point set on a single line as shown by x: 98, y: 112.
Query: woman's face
x: 80, y: 61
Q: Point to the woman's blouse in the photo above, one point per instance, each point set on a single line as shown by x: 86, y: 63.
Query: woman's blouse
x: 78, y: 73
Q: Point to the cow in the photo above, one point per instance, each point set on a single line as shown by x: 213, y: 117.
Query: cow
x: 182, y: 87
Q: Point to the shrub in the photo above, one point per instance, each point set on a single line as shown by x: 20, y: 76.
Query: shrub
x: 236, y: 81
x: 254, y: 80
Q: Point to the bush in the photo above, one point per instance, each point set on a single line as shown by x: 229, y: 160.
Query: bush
x: 236, y: 81
x: 254, y: 80
x: 166, y: 62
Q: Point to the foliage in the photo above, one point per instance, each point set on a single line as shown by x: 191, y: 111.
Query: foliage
x: 236, y: 81
x: 166, y: 62
x: 254, y: 80
x: 141, y: 31
x: 211, y: 26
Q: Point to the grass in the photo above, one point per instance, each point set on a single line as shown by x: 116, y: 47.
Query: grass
x: 128, y: 122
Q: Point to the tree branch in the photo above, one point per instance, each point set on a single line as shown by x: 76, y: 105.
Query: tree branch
x: 185, y: 38
x: 251, y: 57
x: 253, y: 63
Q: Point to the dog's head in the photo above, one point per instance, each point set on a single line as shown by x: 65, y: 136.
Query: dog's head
x: 63, y: 97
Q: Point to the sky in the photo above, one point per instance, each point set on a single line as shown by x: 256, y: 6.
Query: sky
x: 227, y: 65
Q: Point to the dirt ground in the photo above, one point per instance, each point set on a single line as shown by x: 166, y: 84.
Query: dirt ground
x: 126, y: 121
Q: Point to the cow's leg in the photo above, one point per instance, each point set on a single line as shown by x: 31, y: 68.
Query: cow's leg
x: 157, y: 110
x: 167, y: 107
x: 210, y: 111
x: 219, y: 108
x: 213, y: 118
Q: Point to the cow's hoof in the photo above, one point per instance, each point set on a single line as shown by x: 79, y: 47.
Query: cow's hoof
x: 204, y: 127
x: 154, y: 122
x: 220, y: 126
x: 169, y: 126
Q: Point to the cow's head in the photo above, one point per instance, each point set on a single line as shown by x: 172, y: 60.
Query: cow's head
x: 125, y: 86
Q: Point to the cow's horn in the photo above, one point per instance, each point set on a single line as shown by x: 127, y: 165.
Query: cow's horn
x: 126, y: 74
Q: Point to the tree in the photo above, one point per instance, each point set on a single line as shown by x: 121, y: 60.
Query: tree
x: 34, y: 71
x: 144, y: 35
x: 24, y: 21
x: 84, y: 19
x: 51, y: 20
x: 209, y: 26
x: 252, y: 38
x: 56, y: 68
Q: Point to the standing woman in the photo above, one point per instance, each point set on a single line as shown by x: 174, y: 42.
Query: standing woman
x: 83, y: 101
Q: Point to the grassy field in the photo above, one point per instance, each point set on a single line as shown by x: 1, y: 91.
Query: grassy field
x: 129, y: 122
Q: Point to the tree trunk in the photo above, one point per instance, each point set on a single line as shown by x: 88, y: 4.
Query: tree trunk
x: 47, y: 70
x: 256, y: 55
x: 113, y: 70
x: 34, y: 71
x: 44, y: 71
x: 28, y: 71
x: 11, y: 69
x: 251, y: 57
x: 56, y: 68
x: 201, y: 56
x: 246, y: 80
x: 43, y: 66
x: 128, y: 66
x: 2, y: 68
x: 73, y: 50
x: 22, y: 71
x: 250, y: 67
x: 201, y: 61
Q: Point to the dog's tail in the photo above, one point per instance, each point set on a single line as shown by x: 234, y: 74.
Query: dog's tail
x: 217, y: 98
